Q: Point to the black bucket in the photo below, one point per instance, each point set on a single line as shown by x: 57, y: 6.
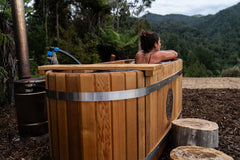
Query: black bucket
x: 31, y: 107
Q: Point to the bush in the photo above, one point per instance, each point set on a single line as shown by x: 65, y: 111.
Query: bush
x: 34, y: 69
x: 197, y: 70
x: 3, y: 88
x: 232, y: 72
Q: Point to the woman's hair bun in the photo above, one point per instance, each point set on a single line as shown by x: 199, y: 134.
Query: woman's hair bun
x: 143, y: 33
x: 147, y: 40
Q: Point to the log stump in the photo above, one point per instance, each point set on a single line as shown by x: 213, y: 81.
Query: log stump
x: 194, y: 132
x: 197, y: 153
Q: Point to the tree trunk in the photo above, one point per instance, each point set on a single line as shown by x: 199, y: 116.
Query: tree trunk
x: 45, y: 12
x: 194, y: 132
x: 197, y: 153
x: 57, y: 20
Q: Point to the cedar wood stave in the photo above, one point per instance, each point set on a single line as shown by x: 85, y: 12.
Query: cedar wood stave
x: 122, y: 129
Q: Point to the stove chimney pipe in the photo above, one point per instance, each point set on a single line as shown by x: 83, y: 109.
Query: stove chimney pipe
x: 21, y: 39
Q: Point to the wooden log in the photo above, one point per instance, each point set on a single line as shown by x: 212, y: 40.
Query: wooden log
x: 197, y: 153
x: 194, y: 132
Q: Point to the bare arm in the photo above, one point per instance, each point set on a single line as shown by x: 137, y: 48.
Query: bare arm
x: 157, y: 57
x: 167, y: 55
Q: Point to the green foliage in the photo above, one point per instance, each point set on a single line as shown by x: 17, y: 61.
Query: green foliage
x: 129, y: 46
x: 110, y: 37
x: 34, y: 69
x: 5, y: 9
x: 123, y: 45
x: 91, y: 52
x: 28, y: 8
x: 3, y: 73
x: 70, y: 42
x: 4, y: 38
x: 197, y: 70
x: 37, y: 43
x: 5, y: 13
x: 232, y: 72
x: 92, y: 31
x: 3, y: 93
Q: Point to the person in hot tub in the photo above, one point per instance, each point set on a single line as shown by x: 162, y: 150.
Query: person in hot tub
x: 151, y: 53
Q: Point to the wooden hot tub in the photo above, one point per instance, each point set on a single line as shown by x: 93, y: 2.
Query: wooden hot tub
x: 111, y: 111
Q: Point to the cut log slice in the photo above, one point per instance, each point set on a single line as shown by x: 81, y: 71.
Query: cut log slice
x: 194, y: 132
x: 197, y: 153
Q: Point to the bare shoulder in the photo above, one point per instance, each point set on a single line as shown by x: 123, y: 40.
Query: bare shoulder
x: 140, y: 57
x: 139, y: 53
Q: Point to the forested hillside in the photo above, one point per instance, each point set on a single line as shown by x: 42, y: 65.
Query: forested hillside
x: 207, y: 44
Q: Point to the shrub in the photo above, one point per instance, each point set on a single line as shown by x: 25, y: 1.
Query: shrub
x: 197, y: 70
x: 232, y: 72
x: 3, y: 93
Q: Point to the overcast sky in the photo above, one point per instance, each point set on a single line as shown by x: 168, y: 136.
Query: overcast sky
x: 190, y: 7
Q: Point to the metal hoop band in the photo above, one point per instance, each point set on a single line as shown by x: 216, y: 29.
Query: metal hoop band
x: 111, y: 95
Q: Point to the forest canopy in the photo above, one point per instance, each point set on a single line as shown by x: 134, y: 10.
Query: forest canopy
x: 90, y: 30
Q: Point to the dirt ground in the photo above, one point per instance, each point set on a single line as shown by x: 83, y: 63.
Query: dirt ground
x: 217, y: 105
x: 217, y: 83
x: 213, y: 99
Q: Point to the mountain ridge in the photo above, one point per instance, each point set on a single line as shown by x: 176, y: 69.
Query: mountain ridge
x: 185, y: 19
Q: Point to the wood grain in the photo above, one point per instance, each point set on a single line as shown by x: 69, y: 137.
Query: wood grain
x: 141, y: 117
x: 195, y: 132
x: 119, y: 118
x: 143, y: 67
x: 131, y: 117
x: 175, y: 94
x: 73, y: 112
x: 160, y: 107
x: 104, y: 116
x: 53, y: 112
x: 49, y: 114
x: 151, y: 116
x: 196, y: 153
x: 88, y: 119
x: 121, y: 129
x: 62, y: 118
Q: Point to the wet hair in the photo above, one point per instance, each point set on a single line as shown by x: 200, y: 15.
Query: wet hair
x: 147, y: 40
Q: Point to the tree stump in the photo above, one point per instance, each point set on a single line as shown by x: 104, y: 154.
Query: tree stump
x: 194, y: 132
x: 197, y: 153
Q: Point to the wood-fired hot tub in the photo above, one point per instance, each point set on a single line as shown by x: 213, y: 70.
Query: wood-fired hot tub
x: 111, y: 111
